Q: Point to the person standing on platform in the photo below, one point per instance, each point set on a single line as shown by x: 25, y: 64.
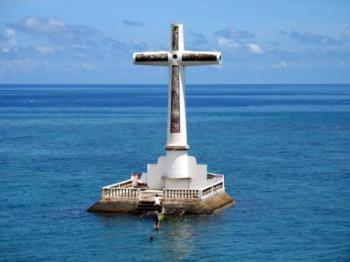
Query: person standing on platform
x: 157, y: 201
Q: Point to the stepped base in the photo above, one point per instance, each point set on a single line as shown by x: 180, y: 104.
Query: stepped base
x: 172, y: 206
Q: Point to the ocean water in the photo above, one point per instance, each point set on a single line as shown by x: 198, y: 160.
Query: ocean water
x: 284, y: 150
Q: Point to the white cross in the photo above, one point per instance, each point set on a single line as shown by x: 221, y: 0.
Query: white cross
x: 177, y: 58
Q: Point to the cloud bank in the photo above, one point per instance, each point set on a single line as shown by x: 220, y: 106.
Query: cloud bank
x: 35, y: 42
x: 51, y: 46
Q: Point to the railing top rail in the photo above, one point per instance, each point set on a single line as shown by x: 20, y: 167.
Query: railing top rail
x: 121, y: 188
x: 171, y: 189
x: 118, y: 184
x: 214, y: 174
x: 200, y: 189
x: 213, y: 184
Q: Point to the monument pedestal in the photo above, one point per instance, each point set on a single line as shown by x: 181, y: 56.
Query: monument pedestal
x: 172, y: 206
x: 176, y: 170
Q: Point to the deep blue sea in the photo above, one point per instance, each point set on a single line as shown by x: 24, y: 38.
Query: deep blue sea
x: 284, y: 150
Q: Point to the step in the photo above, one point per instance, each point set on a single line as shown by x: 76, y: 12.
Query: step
x: 147, y: 206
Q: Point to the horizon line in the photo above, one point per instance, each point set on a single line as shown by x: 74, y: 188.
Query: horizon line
x: 110, y: 84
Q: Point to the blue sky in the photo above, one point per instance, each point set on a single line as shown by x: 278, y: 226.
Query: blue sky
x: 44, y: 41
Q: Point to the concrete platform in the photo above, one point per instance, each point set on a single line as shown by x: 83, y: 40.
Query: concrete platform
x: 172, y: 206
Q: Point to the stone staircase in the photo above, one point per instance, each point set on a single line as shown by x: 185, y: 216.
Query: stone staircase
x: 146, y: 202
x: 146, y: 206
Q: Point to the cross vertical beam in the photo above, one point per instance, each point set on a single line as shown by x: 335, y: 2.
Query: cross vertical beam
x: 177, y: 37
x: 177, y: 130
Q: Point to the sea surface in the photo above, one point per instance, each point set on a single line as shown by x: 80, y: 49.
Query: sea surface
x: 284, y: 150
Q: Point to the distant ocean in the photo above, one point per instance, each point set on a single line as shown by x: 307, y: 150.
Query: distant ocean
x: 284, y: 150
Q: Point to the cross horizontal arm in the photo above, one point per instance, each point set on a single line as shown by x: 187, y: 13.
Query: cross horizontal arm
x: 151, y: 58
x: 200, y: 58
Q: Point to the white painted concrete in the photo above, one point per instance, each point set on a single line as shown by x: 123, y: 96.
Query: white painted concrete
x: 177, y: 170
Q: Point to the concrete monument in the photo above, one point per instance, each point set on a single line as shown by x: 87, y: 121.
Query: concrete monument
x: 183, y: 185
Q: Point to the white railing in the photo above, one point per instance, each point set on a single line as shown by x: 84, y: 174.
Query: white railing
x: 110, y: 193
x: 124, y: 189
x: 202, y: 193
x: 120, y: 184
x: 213, y: 189
x: 181, y: 193
x: 119, y: 190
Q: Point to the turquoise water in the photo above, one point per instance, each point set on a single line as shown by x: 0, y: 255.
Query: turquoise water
x: 284, y: 150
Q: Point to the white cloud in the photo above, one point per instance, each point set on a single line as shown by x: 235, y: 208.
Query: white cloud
x: 231, y: 32
x: 346, y: 33
x: 70, y: 37
x: 285, y: 65
x: 10, y: 33
x: 255, y: 48
x: 311, y: 38
x: 53, y: 22
x: 10, y: 36
x: 42, y: 25
x: 280, y: 65
x: 227, y: 43
x: 31, y: 22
